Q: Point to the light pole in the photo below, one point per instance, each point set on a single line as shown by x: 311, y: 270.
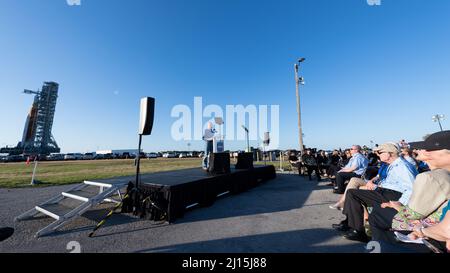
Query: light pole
x: 298, y: 81
x: 248, y: 141
x: 438, y: 118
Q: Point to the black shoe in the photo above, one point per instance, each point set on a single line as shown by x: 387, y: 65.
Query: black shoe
x: 336, y: 191
x: 354, y: 235
x: 5, y: 233
x: 341, y: 227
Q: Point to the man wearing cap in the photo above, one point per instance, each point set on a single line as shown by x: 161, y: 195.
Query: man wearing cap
x: 354, y: 168
x: 397, y: 185
x: 431, y: 189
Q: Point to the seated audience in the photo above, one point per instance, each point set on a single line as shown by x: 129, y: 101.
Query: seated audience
x: 430, y: 194
x: 373, y: 159
x: 358, y: 183
x: 295, y: 162
x: 310, y: 162
x: 439, y: 232
x: 397, y: 186
x: 356, y: 166
x: 407, y: 155
x: 323, y: 162
x: 335, y: 159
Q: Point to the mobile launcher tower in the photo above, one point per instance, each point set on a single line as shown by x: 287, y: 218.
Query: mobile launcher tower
x: 37, y: 136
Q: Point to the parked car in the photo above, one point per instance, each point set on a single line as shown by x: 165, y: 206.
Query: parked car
x: 127, y: 155
x: 88, y: 156
x: 73, y: 156
x: 15, y: 158
x: 182, y: 155
x: 169, y: 155
x: 108, y: 156
x: 55, y: 157
x: 152, y: 155
x: 69, y: 156
x: 3, y: 157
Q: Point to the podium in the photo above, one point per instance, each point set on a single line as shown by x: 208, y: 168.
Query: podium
x: 218, y: 144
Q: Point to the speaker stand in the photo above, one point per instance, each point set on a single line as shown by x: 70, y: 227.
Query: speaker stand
x: 138, y: 161
x: 264, y: 154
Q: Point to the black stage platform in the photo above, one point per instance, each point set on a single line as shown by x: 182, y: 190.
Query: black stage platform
x: 167, y: 195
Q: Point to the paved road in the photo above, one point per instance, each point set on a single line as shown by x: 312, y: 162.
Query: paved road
x: 288, y: 214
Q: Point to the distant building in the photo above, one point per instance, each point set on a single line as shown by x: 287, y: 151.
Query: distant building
x: 118, y: 152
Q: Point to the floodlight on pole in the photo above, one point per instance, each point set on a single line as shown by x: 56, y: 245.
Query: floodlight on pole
x: 437, y: 118
x: 298, y: 81
x: 248, y: 141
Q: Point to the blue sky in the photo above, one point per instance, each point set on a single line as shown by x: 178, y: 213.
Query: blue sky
x: 372, y: 72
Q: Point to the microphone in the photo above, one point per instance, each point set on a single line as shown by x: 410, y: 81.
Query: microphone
x: 245, y: 128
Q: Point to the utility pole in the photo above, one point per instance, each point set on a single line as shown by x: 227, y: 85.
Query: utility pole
x: 298, y: 81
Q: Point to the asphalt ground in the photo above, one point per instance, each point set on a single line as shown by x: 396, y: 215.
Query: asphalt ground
x: 286, y: 215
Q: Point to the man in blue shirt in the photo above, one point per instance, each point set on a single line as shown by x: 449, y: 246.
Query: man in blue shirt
x: 396, y: 186
x: 354, y: 168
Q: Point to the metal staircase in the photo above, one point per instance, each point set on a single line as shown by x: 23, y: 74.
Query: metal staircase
x: 74, y: 202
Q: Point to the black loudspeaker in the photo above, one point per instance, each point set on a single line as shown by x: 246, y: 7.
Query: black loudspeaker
x: 147, y: 116
x: 244, y: 161
x: 219, y: 163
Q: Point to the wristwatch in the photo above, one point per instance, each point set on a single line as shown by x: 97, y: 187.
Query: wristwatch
x: 422, y: 231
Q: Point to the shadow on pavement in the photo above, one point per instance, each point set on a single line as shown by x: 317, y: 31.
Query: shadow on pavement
x: 299, y: 241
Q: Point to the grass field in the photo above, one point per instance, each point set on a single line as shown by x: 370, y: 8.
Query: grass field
x: 16, y: 175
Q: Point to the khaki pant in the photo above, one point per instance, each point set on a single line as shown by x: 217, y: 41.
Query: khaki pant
x: 355, y: 183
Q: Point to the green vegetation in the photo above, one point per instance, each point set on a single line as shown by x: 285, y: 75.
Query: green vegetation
x: 15, y: 175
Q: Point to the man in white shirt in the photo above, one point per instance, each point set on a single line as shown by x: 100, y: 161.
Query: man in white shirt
x: 208, y: 136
